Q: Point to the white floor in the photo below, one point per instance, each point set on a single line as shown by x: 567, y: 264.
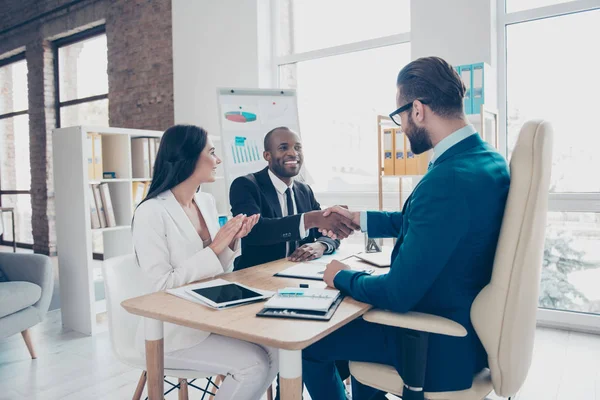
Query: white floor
x: 70, y: 366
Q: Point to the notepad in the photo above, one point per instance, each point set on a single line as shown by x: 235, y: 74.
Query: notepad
x: 380, y: 259
x: 309, y: 299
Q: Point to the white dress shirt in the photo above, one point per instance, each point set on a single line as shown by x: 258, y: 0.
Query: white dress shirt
x: 280, y: 188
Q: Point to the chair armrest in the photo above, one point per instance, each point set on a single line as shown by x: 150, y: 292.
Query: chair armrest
x: 416, y: 321
x: 34, y: 268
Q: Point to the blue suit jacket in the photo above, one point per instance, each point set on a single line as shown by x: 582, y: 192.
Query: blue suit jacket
x: 447, y: 234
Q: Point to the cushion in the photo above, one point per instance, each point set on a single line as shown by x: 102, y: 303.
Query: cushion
x: 15, y: 296
x: 3, y: 277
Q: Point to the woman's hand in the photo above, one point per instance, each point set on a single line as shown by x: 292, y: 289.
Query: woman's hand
x: 247, y: 226
x: 227, y: 233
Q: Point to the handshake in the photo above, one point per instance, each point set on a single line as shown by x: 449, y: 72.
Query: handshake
x: 337, y: 222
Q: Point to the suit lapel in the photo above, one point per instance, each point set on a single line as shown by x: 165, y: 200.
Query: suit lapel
x: 179, y: 216
x: 301, y: 197
x: 264, y: 181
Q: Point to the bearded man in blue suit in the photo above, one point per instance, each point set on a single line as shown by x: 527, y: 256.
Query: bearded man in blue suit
x: 446, y: 233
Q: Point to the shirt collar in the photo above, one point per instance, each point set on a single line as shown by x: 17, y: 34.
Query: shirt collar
x: 452, y: 139
x: 280, y: 185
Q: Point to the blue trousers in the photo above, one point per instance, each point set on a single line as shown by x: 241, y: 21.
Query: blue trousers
x: 357, y: 341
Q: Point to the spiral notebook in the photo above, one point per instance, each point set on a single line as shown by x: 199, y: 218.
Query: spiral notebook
x: 310, y: 303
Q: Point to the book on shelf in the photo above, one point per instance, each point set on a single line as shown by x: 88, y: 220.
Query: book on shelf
x: 140, y: 157
x: 89, y: 152
x: 143, y: 156
x: 95, y: 218
x: 99, y: 205
x: 98, y: 156
x: 107, y: 203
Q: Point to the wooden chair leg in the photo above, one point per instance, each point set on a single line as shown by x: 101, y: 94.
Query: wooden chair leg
x: 183, y: 389
x: 218, y: 380
x: 140, y: 387
x: 270, y: 393
x: 29, y: 343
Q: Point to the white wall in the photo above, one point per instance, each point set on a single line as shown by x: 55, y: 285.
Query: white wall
x: 459, y: 31
x: 215, y: 44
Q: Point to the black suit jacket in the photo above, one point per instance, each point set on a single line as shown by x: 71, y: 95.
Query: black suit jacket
x: 255, y: 194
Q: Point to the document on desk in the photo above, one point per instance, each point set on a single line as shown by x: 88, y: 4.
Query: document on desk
x: 313, y: 270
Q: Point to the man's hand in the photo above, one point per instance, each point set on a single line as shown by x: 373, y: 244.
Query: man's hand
x: 339, y: 225
x: 310, y: 251
x: 331, y: 271
x: 353, y: 216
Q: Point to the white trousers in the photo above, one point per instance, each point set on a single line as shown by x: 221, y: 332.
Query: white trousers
x: 249, y: 369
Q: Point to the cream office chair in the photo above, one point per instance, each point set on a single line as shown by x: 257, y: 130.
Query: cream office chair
x: 504, y: 312
x: 123, y: 280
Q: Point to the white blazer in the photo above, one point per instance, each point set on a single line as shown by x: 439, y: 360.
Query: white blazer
x: 171, y: 253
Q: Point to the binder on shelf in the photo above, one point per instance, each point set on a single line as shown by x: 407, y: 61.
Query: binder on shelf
x: 89, y: 148
x: 138, y: 192
x: 140, y: 157
x: 95, y: 218
x: 146, y: 188
x: 152, y: 152
x: 399, y: 151
x: 99, y: 206
x: 97, y: 156
x: 388, y: 149
x: 466, y: 74
x: 108, y: 207
x: 483, y: 83
x: 411, y: 160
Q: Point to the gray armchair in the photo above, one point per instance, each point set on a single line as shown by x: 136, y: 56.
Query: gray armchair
x: 26, y: 285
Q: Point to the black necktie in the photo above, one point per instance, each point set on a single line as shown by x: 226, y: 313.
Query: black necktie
x: 290, y: 211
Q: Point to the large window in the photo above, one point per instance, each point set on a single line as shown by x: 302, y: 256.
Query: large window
x: 15, y: 172
x: 344, y: 70
x: 82, y: 79
x: 552, y: 73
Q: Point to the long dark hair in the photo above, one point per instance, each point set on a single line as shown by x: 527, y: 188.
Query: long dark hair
x: 177, y: 156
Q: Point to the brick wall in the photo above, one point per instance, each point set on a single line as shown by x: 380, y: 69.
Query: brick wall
x: 140, y: 64
x: 42, y: 119
x: 140, y: 69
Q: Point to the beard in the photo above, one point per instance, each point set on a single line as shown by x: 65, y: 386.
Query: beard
x: 419, y: 138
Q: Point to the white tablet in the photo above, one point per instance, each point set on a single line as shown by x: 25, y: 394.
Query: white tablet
x: 227, y: 294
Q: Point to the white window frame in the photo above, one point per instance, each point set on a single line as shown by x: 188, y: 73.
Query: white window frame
x: 362, y: 197
x: 557, y: 202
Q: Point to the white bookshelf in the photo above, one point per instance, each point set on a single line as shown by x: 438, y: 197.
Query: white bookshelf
x: 73, y: 222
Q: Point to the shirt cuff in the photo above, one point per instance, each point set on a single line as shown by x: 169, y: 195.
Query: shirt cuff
x: 303, y: 231
x: 328, y: 247
x: 363, y: 221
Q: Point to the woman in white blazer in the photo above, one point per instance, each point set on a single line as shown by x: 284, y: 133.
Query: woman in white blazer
x: 177, y: 240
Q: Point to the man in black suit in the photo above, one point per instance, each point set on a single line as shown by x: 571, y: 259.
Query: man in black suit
x: 290, y: 216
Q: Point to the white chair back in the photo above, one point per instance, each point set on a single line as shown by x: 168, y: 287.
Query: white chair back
x: 504, y: 313
x: 123, y: 279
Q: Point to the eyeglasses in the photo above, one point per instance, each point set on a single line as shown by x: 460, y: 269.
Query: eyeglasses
x: 395, y: 116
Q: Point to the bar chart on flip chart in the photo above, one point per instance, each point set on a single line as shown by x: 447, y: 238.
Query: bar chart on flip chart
x: 245, y: 151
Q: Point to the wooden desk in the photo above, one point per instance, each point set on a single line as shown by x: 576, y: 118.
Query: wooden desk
x: 288, y: 335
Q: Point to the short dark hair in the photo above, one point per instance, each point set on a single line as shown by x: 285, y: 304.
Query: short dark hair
x: 434, y: 80
x: 270, y: 133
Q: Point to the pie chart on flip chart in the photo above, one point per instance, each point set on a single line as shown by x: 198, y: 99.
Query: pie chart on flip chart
x: 240, y: 116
